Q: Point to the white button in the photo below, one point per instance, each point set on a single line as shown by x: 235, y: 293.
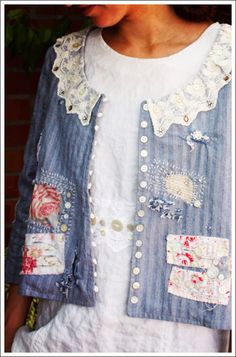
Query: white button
x: 90, y: 199
x: 212, y: 272
x: 94, y: 244
x: 66, y: 216
x: 92, y: 230
x: 92, y: 215
x: 96, y: 127
x: 144, y: 139
x: 144, y: 168
x: 95, y: 142
x: 141, y: 213
x: 139, y: 243
x: 93, y: 156
x: 221, y: 277
x: 145, y: 107
x: 99, y: 115
x: 68, y: 205
x: 89, y: 185
x: 136, y: 285
x: 134, y: 299
x: 197, y: 204
x: 95, y: 261
x: 104, y: 99
x: 95, y: 288
x: 95, y: 274
x: 136, y: 271
x: 139, y: 228
x: 144, y: 153
x: 142, y: 199
x: 90, y: 172
x: 68, y: 194
x: 138, y: 255
x: 144, y: 124
x: 143, y: 184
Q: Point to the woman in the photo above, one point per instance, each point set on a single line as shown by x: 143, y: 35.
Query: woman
x: 124, y: 217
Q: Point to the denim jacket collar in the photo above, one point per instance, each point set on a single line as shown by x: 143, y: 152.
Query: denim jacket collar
x: 180, y: 107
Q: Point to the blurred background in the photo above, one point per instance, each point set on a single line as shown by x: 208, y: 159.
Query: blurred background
x: 29, y: 31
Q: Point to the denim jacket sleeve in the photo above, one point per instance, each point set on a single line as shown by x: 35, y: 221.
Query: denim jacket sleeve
x: 25, y: 184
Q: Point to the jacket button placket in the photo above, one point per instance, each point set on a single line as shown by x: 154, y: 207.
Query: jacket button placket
x: 90, y: 197
x: 143, y: 169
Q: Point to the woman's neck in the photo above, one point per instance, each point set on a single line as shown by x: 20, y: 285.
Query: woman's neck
x: 152, y: 31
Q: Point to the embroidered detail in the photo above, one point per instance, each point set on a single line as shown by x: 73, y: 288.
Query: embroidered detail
x: 69, y: 69
x: 196, y: 136
x: 43, y: 254
x: 199, y: 95
x: 167, y: 179
x: 52, y: 205
x: 45, y: 205
x: 163, y: 206
x: 65, y: 284
x: 196, y: 251
x: 199, y: 286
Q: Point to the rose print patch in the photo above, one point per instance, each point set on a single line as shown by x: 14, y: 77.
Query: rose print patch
x: 211, y: 254
x: 45, y: 205
x: 52, y: 205
x: 196, y: 251
x: 43, y: 254
x: 199, y: 286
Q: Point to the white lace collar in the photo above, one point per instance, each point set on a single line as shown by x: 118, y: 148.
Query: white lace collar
x: 180, y: 107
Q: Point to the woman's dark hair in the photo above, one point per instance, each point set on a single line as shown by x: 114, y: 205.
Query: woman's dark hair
x: 198, y: 13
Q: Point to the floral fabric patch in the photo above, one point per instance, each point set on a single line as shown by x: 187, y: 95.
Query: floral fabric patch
x: 199, y: 286
x: 211, y: 254
x: 45, y: 205
x: 43, y: 254
x: 196, y: 251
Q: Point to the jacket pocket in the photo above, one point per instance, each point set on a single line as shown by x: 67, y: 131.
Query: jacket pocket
x: 210, y: 255
x: 43, y: 254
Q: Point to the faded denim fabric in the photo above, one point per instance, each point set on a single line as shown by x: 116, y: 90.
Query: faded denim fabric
x: 183, y: 189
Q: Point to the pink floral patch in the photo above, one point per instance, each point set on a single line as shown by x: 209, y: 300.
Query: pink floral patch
x: 29, y: 262
x: 45, y: 204
x: 184, y: 258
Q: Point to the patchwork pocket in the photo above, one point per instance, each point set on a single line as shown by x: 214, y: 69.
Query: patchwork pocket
x: 43, y: 254
x: 208, y: 254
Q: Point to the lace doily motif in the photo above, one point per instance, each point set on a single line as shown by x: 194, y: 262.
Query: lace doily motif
x: 199, y: 95
x: 69, y: 68
x: 180, y: 107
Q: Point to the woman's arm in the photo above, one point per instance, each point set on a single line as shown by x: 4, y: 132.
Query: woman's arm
x: 17, y: 307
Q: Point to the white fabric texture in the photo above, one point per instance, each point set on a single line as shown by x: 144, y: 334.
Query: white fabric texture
x: 126, y: 82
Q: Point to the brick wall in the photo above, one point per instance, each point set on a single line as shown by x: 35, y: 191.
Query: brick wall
x: 20, y: 89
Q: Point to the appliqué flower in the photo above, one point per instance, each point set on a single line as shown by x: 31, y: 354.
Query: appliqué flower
x: 29, y: 262
x: 163, y: 206
x: 196, y: 136
x: 45, y: 205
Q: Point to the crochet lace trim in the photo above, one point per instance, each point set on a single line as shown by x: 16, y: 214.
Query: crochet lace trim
x: 180, y: 107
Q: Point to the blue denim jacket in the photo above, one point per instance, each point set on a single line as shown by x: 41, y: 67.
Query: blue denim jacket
x: 180, y: 265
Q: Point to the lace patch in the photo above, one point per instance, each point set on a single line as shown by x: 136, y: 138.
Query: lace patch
x: 199, y: 286
x: 181, y: 107
x: 69, y: 68
x: 167, y: 179
x: 197, y: 251
x: 43, y: 254
x: 199, y: 95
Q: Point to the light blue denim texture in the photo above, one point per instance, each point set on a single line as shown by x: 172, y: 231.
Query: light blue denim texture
x: 58, y: 154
